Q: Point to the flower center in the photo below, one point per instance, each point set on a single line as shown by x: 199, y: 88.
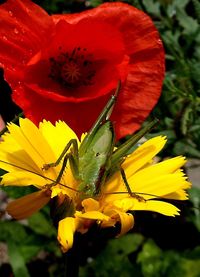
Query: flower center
x: 71, y: 72
x: 73, y: 69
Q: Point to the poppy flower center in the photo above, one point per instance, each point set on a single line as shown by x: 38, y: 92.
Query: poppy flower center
x: 73, y: 69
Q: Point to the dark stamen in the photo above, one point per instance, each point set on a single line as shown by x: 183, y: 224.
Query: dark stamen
x: 72, y: 69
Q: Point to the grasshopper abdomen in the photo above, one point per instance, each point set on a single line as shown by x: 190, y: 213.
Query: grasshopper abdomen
x: 93, y: 164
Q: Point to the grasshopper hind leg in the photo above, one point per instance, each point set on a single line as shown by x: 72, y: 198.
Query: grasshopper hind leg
x: 132, y: 194
x: 60, y: 173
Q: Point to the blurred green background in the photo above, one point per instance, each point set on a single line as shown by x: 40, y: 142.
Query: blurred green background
x: 157, y: 246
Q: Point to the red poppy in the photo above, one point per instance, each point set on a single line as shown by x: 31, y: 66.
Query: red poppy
x: 66, y: 66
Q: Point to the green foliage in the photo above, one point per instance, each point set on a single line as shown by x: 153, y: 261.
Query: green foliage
x: 156, y: 262
x: 179, y: 105
x: 17, y: 261
x: 133, y: 255
x: 41, y: 225
x: 26, y: 239
x: 16, y: 192
x: 61, y: 6
x: 113, y: 260
x: 195, y: 214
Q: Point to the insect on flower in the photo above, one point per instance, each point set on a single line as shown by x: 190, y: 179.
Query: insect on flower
x: 89, y: 180
x: 96, y: 160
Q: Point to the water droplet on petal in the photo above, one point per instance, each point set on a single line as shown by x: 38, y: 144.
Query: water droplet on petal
x: 30, y: 51
x: 4, y: 38
x: 16, y: 31
x: 10, y: 13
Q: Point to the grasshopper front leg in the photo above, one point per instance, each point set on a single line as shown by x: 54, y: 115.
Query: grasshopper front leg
x: 72, y: 142
x: 132, y: 194
x: 73, y: 167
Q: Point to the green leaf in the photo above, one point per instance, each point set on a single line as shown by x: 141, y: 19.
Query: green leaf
x: 190, y: 268
x: 171, y: 9
x: 152, y: 7
x: 194, y: 196
x: 95, y: 3
x: 17, y: 260
x: 16, y: 192
x: 194, y: 254
x: 41, y: 225
x: 126, y: 244
x: 9, y: 229
x: 113, y: 260
x: 196, y: 5
x: 189, y: 24
x: 150, y: 260
x: 155, y: 262
x: 183, y: 148
x: 186, y: 119
x: 29, y: 251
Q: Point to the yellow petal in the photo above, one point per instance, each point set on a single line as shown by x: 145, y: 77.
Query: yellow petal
x: 83, y: 135
x: 117, y: 214
x: 12, y: 152
x: 9, y: 142
x: 143, y: 154
x: 31, y: 154
x: 178, y: 195
x: 124, y: 204
x: 157, y: 185
x: 110, y: 223
x: 27, y: 205
x: 66, y: 230
x: 166, y: 168
x: 148, y: 185
x: 90, y: 204
x: 30, y: 139
x: 127, y: 222
x: 161, y: 168
x: 156, y: 206
x: 57, y: 136
x: 55, y: 191
x: 93, y: 215
x: 21, y: 178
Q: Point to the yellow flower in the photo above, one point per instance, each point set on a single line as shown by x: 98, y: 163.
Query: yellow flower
x: 26, y: 149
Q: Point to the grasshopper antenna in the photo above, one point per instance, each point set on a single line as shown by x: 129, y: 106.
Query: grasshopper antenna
x: 115, y: 98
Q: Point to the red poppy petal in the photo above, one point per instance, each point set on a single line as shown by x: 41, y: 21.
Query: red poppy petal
x: 99, y: 38
x: 22, y: 32
x: 146, y: 68
x: 104, y: 48
x: 77, y: 115
x: 106, y: 78
x: 140, y: 93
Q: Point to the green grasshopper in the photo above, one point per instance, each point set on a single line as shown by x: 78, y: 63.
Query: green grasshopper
x: 96, y: 160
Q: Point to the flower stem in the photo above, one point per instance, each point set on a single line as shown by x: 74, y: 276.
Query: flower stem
x: 72, y: 258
